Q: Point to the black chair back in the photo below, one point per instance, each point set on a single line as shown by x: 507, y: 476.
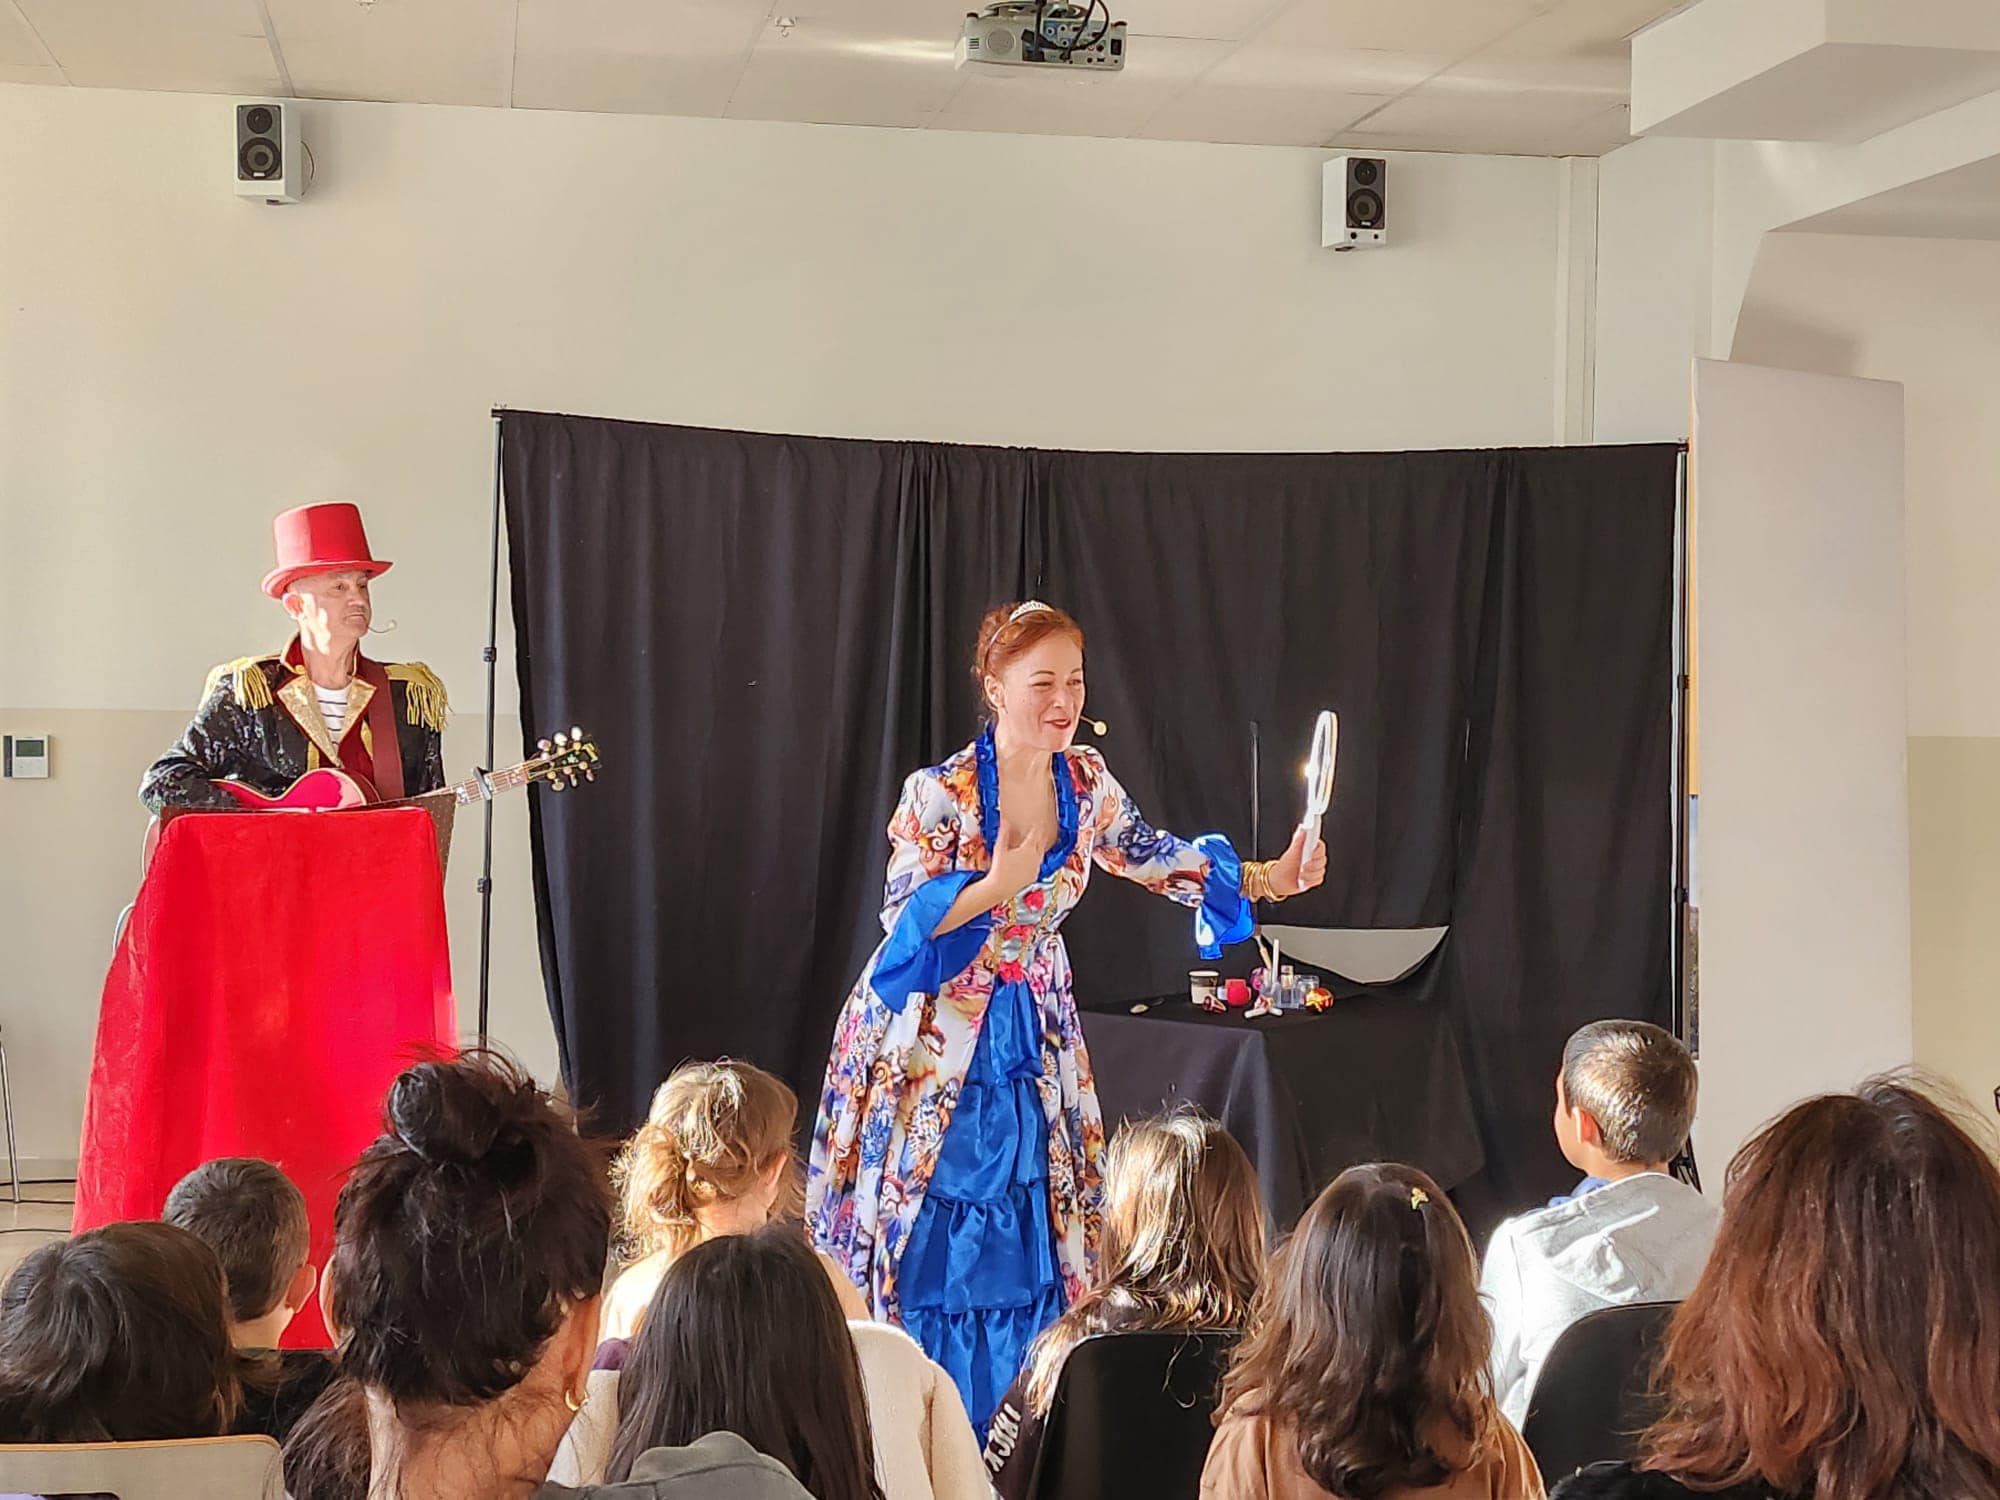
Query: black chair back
x: 1593, y: 1397
x: 1132, y: 1415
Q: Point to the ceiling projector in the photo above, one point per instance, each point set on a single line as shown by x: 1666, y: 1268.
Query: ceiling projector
x: 1049, y: 34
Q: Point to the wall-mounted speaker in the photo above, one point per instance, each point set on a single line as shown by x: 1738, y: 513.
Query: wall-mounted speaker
x: 1354, y: 203
x: 270, y: 158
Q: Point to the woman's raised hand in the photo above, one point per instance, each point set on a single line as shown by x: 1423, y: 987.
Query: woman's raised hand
x: 1293, y: 872
x: 1017, y: 862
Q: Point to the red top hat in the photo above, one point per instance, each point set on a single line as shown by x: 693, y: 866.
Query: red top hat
x: 323, y: 538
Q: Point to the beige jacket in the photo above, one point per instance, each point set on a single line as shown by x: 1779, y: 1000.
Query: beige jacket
x: 1254, y: 1458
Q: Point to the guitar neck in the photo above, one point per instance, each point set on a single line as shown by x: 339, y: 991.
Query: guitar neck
x: 469, y: 791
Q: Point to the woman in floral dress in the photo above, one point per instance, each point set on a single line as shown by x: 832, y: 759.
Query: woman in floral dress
x: 955, y: 1162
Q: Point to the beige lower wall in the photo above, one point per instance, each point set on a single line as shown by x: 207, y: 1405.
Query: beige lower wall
x: 1955, y: 910
x: 72, y: 861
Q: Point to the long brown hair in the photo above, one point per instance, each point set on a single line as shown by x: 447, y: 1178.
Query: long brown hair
x: 118, y: 1335
x: 1368, y: 1339
x: 713, y: 1131
x: 745, y: 1336
x: 1183, y: 1241
x: 1845, y: 1337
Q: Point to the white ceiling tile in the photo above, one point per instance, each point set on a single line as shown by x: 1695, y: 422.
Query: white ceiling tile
x: 1214, y: 20
x: 661, y: 57
x: 1037, y: 101
x: 846, y: 73
x: 19, y: 46
x: 1585, y: 80
x: 1437, y: 119
x: 1267, y: 64
x: 1450, y: 27
x: 422, y: 51
x: 1595, y: 28
x: 1237, y: 114
x: 200, y: 46
x: 1206, y: 20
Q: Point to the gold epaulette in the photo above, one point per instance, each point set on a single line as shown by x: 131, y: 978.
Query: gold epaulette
x: 424, y: 701
x: 246, y: 680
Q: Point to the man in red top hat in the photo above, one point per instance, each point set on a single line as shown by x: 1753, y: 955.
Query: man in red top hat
x: 267, y: 720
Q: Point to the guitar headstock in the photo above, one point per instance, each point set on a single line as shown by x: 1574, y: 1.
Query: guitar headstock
x: 564, y: 761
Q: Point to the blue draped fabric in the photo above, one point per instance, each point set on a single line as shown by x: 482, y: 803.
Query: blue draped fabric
x: 980, y: 1276
x: 1225, y: 915
x: 915, y: 963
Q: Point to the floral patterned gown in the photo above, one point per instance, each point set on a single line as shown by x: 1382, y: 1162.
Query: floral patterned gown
x: 955, y: 1162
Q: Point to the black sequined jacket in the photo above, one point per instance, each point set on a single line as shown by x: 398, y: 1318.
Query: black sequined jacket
x: 259, y: 723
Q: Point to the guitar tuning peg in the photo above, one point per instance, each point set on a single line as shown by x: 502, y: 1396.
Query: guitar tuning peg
x: 561, y: 739
x: 590, y: 776
x: 575, y: 732
x: 544, y: 746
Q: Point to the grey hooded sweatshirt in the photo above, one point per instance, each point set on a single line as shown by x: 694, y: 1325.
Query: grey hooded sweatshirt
x: 1641, y: 1239
x: 720, y: 1466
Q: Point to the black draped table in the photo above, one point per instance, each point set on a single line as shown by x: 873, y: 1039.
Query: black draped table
x: 1379, y: 1077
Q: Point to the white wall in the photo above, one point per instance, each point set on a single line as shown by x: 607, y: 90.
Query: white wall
x: 1926, y: 313
x: 177, y: 365
x: 1655, y: 232
x: 1805, y: 918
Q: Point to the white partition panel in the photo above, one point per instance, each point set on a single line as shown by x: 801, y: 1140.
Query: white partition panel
x: 1805, y: 864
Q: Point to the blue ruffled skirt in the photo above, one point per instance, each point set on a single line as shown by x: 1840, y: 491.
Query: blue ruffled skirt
x: 979, y: 1276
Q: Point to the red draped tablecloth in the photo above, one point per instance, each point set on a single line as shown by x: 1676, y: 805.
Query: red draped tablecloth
x: 277, y: 973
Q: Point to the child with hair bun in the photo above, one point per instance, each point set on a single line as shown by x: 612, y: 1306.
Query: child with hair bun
x: 715, y: 1157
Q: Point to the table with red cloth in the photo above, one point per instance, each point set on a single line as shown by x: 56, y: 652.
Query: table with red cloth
x: 278, y: 971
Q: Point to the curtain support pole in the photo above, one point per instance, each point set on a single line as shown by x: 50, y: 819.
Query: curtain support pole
x: 492, y: 659
x: 1682, y: 683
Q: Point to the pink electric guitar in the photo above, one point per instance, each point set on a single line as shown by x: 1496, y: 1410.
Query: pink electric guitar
x: 561, y: 763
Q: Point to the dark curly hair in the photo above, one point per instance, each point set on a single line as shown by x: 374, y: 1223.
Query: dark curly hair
x: 463, y: 1238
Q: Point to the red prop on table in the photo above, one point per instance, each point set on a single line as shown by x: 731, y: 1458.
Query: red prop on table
x: 278, y: 972
x: 1237, y: 991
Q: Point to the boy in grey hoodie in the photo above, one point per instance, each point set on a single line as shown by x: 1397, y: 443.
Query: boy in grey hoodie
x: 1630, y: 1232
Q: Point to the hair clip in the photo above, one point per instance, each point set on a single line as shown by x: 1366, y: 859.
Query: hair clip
x: 1418, y: 1197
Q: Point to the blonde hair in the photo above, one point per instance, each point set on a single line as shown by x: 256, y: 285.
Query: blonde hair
x: 1183, y: 1241
x: 710, y: 1137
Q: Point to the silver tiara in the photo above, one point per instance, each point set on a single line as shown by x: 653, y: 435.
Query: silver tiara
x: 1029, y: 608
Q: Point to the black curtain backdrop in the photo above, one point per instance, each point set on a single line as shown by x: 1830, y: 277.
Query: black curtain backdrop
x: 766, y: 634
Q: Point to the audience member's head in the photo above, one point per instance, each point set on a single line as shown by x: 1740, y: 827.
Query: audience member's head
x: 469, y: 1250
x: 715, y: 1156
x: 745, y: 1336
x: 1183, y: 1241
x: 1368, y: 1342
x: 254, y: 1219
x: 1624, y: 1098
x: 1845, y: 1338
x: 120, y: 1334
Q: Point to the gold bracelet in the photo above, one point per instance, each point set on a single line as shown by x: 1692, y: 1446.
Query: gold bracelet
x: 1257, y: 880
